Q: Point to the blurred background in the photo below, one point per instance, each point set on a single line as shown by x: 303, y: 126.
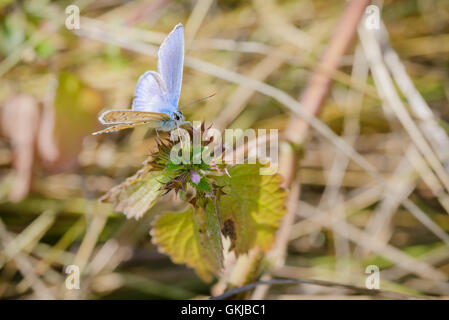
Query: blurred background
x: 370, y: 187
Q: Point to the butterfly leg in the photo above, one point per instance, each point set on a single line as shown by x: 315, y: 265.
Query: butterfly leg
x: 187, y: 122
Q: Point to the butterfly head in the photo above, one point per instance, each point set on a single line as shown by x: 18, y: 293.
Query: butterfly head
x: 175, y: 121
x: 178, y: 116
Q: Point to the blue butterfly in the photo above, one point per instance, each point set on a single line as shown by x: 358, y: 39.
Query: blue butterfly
x: 157, y: 93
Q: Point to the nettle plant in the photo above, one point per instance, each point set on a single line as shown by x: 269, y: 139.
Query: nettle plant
x: 222, y: 201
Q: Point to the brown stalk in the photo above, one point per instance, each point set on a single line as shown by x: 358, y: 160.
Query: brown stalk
x: 312, y: 100
x: 320, y: 81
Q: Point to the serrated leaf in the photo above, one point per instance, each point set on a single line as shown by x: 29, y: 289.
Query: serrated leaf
x: 137, y: 194
x: 251, y: 208
x: 192, y: 237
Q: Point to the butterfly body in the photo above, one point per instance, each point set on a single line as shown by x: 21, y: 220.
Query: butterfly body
x: 157, y: 94
x: 173, y: 122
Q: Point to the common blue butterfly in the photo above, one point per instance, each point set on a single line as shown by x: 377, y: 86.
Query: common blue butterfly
x: 157, y: 94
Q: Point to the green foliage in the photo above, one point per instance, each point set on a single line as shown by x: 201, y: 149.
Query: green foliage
x: 245, y: 207
x: 137, y: 194
x: 251, y: 208
x: 191, y: 237
x: 203, y: 185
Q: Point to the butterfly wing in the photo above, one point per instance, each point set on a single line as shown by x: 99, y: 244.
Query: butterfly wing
x: 150, y: 94
x: 170, y: 64
x: 117, y: 127
x: 122, y: 126
x: 130, y: 116
x: 124, y: 119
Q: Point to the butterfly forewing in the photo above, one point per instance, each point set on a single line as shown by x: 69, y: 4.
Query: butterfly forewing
x: 130, y: 116
x: 170, y: 63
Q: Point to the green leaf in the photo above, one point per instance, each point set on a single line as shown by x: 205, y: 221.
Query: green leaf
x: 172, y: 166
x: 192, y: 237
x: 204, y: 185
x: 251, y: 208
x: 137, y: 194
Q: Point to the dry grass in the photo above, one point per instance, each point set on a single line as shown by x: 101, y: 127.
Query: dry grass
x: 367, y: 176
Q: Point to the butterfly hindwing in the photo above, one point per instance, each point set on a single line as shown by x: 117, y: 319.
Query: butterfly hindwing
x: 150, y: 94
x: 122, y: 126
x: 117, y: 127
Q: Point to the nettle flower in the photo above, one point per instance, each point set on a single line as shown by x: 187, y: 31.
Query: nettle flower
x: 221, y: 201
x: 190, y: 171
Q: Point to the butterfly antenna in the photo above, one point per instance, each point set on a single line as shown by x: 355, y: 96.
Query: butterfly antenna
x: 199, y: 100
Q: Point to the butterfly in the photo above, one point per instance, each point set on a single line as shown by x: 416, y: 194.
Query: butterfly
x: 157, y: 94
